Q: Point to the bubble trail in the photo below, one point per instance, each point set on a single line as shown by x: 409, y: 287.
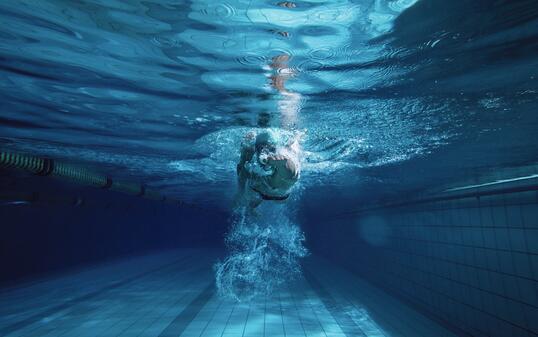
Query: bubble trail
x: 264, y: 252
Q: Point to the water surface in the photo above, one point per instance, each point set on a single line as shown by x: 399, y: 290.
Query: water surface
x: 392, y: 96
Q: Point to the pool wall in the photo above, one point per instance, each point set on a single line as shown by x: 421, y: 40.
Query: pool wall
x: 69, y: 225
x: 470, y: 263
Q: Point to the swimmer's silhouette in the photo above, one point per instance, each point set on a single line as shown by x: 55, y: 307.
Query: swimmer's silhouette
x: 269, y: 167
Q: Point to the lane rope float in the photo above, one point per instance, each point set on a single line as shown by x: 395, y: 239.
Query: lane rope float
x: 53, y: 168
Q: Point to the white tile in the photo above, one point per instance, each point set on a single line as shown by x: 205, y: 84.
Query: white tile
x: 149, y: 304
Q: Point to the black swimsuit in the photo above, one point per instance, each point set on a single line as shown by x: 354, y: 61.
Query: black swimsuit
x: 270, y: 197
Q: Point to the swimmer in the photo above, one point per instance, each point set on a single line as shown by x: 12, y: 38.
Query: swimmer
x: 289, y: 103
x: 267, y: 170
x: 282, y: 72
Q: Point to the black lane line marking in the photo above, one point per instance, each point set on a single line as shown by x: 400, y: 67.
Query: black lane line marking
x: 185, y: 317
x: 342, y: 318
x: 51, y: 311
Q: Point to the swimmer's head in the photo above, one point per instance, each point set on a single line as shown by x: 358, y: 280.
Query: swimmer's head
x: 266, y: 141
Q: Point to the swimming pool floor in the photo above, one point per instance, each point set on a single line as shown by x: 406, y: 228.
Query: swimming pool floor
x: 172, y: 294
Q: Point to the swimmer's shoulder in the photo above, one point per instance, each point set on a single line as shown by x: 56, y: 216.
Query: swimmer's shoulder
x: 249, y: 139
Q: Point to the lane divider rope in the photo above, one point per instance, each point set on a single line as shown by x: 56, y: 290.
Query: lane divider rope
x: 50, y: 167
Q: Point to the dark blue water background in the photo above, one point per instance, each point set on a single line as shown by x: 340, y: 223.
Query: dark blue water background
x: 393, y: 97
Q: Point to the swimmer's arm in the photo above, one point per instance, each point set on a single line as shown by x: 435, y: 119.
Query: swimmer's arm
x: 294, y: 145
x: 242, y: 174
x: 284, y: 166
x: 247, y: 151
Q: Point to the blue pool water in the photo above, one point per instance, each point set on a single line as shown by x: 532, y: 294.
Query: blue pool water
x: 390, y: 100
x: 164, y: 90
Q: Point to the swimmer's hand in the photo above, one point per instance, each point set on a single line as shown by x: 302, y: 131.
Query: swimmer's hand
x: 279, y: 162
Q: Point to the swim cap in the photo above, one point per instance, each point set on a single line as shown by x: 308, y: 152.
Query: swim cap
x: 265, y: 138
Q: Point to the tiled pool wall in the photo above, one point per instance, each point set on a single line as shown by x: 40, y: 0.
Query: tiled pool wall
x: 52, y: 233
x: 470, y: 263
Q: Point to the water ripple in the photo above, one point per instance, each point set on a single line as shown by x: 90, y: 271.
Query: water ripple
x: 165, y: 42
x: 309, y: 66
x: 321, y: 54
x: 221, y: 10
x: 252, y: 60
